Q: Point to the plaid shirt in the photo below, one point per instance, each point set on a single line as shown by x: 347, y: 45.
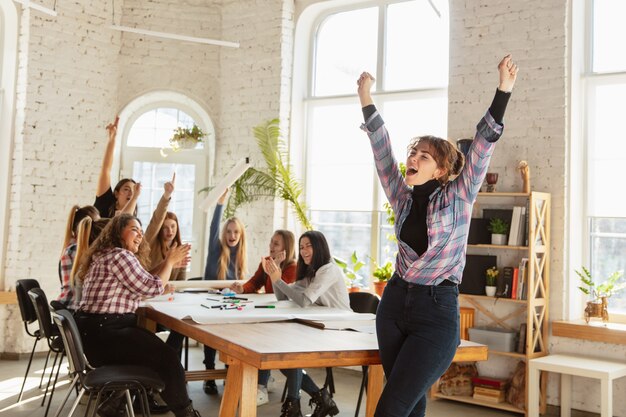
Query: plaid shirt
x: 449, y: 207
x: 65, y: 268
x: 116, y: 282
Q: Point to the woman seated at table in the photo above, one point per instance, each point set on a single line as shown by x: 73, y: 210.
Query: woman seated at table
x: 318, y: 282
x: 282, y: 251
x: 114, y: 282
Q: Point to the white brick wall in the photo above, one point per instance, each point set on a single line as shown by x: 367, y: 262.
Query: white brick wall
x: 75, y: 74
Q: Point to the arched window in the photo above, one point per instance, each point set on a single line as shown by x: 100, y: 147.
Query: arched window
x: 147, y: 124
x: 404, y: 44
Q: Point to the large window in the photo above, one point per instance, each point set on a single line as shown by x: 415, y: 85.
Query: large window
x: 405, y: 46
x: 606, y: 148
x: 147, y: 157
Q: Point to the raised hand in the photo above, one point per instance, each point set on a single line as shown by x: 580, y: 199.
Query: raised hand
x: 508, y: 73
x: 112, y: 128
x: 365, y: 83
x: 168, y: 187
x: 222, y: 198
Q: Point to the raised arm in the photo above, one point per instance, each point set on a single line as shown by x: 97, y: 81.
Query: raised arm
x: 129, y: 207
x: 158, y: 217
x: 104, y: 180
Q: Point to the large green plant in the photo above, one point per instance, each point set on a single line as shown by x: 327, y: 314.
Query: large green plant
x: 276, y: 180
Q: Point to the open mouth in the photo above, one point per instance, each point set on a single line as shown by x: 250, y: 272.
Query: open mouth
x: 411, y: 171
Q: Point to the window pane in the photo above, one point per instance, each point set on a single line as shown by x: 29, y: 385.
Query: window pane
x: 607, y: 151
x: 608, y: 254
x: 417, y: 45
x: 152, y: 177
x: 346, y: 232
x: 340, y: 170
x: 345, y: 47
x: 154, y: 128
x: 609, y: 33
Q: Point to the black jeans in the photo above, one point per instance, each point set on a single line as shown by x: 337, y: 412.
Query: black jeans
x: 418, y: 334
x: 115, y: 339
x: 175, y: 341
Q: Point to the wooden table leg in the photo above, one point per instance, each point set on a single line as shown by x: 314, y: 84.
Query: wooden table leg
x: 240, y: 390
x: 374, y: 388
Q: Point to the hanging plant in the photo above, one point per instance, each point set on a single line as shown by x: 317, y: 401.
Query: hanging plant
x: 186, y: 138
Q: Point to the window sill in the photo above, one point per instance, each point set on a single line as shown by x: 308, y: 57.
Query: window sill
x: 595, y: 331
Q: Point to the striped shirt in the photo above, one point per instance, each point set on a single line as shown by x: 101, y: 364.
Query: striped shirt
x: 116, y: 282
x: 449, y: 207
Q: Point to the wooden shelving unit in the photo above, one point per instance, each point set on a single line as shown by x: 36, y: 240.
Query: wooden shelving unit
x: 534, y: 310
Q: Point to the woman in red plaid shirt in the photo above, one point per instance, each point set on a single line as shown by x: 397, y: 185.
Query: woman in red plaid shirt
x: 115, y: 281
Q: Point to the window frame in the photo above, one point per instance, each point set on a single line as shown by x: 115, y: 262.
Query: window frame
x: 203, y: 159
x: 307, y: 99
x: 590, y: 80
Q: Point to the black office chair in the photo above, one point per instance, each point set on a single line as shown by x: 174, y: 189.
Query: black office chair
x: 51, y: 333
x: 104, y: 379
x: 22, y: 286
x: 363, y: 302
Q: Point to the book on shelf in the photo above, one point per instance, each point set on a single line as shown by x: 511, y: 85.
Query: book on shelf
x: 527, y: 222
x: 485, y: 381
x: 505, y: 283
x: 522, y: 226
x: 514, y: 226
x: 494, y: 392
x: 522, y: 281
x: 490, y: 398
x: 514, y: 284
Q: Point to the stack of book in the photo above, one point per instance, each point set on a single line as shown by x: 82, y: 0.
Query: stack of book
x: 489, y: 389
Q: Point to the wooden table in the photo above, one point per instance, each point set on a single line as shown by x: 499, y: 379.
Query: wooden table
x: 246, y: 348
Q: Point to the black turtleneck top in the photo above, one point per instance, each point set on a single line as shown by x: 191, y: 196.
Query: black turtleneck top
x: 414, y: 231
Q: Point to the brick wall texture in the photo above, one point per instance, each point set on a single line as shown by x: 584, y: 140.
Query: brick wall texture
x: 75, y: 74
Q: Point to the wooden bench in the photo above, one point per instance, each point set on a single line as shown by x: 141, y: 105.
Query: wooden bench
x: 567, y: 365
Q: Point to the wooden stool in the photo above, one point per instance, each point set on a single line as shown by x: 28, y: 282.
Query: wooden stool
x: 467, y: 321
x: 568, y: 365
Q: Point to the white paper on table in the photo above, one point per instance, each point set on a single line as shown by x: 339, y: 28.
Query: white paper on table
x: 230, y: 178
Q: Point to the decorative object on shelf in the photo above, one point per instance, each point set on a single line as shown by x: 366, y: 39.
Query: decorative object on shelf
x: 186, y: 138
x: 491, y: 277
x: 350, y: 270
x: 458, y: 379
x: 599, y: 293
x: 498, y: 228
x: 516, y: 394
x: 382, y: 274
x: 524, y: 170
x: 463, y: 145
x: 492, y: 179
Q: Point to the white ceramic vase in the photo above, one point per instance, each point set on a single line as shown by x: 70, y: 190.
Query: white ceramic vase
x: 490, y: 291
x: 497, y: 239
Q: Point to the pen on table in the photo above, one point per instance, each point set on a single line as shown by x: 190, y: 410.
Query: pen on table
x: 218, y: 306
x: 213, y: 299
x: 269, y: 306
x: 236, y: 298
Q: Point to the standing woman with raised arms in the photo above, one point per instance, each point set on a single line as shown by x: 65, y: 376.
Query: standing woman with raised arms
x: 417, y: 322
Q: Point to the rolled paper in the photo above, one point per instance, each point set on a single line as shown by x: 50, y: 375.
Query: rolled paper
x: 230, y: 178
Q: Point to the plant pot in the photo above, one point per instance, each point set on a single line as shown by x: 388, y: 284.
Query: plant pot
x: 379, y: 287
x: 354, y: 289
x: 597, y: 308
x: 490, y: 291
x: 497, y: 239
x: 185, y: 144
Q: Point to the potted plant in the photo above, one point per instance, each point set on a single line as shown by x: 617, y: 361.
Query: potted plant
x: 382, y: 274
x: 491, y: 281
x: 186, y: 138
x: 350, y: 270
x: 498, y: 228
x: 599, y: 293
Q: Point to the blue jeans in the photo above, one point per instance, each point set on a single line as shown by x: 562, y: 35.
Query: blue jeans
x: 298, y: 379
x: 418, y: 334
